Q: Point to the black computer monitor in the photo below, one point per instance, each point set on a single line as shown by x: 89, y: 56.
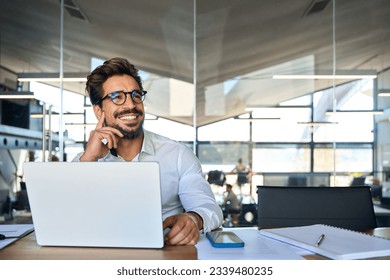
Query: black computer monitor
x: 358, y: 181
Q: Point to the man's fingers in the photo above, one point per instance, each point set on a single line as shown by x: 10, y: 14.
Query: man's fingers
x: 110, y: 130
x: 110, y: 138
x: 100, y: 123
x: 183, y: 230
x: 100, y: 127
x: 168, y: 222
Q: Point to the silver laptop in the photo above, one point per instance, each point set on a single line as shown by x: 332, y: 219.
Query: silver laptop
x: 95, y: 204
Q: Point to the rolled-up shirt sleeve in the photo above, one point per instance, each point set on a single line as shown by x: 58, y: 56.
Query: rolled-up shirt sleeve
x: 195, y: 192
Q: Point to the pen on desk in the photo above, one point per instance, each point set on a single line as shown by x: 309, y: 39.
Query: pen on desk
x: 320, y: 239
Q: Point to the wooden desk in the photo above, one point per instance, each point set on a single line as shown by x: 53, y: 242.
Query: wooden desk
x: 383, y: 232
x: 28, y: 249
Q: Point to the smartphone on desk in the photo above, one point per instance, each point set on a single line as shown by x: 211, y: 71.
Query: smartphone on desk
x: 224, y: 239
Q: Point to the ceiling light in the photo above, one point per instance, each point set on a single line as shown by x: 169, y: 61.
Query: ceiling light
x: 256, y: 119
x: 81, y: 124
x: 252, y: 108
x: 384, y: 92
x: 40, y: 115
x: 316, y: 123
x: 52, y: 77
x: 328, y: 75
x: 255, y: 108
x: 16, y: 95
x: 151, y: 117
x: 370, y: 112
x: 322, y: 77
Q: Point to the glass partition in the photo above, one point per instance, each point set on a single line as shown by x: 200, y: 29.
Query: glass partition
x: 250, y: 107
x: 231, y: 79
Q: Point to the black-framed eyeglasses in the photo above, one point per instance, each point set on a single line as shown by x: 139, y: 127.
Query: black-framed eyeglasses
x: 119, y: 97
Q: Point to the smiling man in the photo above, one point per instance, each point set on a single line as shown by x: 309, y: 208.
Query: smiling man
x: 117, y: 95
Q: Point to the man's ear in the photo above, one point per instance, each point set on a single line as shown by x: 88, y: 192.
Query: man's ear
x: 98, y: 111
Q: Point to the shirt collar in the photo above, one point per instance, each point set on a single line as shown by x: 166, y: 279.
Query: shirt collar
x: 147, y: 146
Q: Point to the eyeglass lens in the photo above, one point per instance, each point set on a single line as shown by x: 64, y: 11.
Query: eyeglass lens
x: 119, y: 97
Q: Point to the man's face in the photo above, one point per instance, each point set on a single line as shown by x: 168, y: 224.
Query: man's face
x: 128, y: 117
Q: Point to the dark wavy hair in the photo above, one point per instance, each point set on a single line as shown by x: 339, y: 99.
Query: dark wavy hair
x: 111, y: 67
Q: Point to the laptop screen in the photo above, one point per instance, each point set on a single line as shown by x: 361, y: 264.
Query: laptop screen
x: 97, y: 204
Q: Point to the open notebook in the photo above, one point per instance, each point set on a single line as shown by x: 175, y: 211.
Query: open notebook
x: 332, y: 242
x: 95, y: 204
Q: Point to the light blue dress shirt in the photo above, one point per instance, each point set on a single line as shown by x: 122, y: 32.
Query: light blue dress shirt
x: 183, y: 186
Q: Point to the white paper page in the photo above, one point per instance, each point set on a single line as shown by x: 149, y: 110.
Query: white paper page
x: 12, y: 230
x: 338, y: 243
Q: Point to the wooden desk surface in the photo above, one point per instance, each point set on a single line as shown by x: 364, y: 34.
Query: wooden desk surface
x: 28, y: 249
x: 383, y: 232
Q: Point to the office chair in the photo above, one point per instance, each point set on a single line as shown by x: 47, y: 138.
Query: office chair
x: 248, y: 215
x: 216, y: 177
x: 344, y: 207
x: 231, y: 216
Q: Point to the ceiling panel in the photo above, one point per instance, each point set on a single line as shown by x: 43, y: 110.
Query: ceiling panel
x: 243, y: 42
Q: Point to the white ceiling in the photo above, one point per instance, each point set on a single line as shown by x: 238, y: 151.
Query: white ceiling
x: 245, y: 41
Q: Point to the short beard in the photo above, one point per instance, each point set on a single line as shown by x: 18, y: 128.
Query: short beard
x: 130, y: 135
